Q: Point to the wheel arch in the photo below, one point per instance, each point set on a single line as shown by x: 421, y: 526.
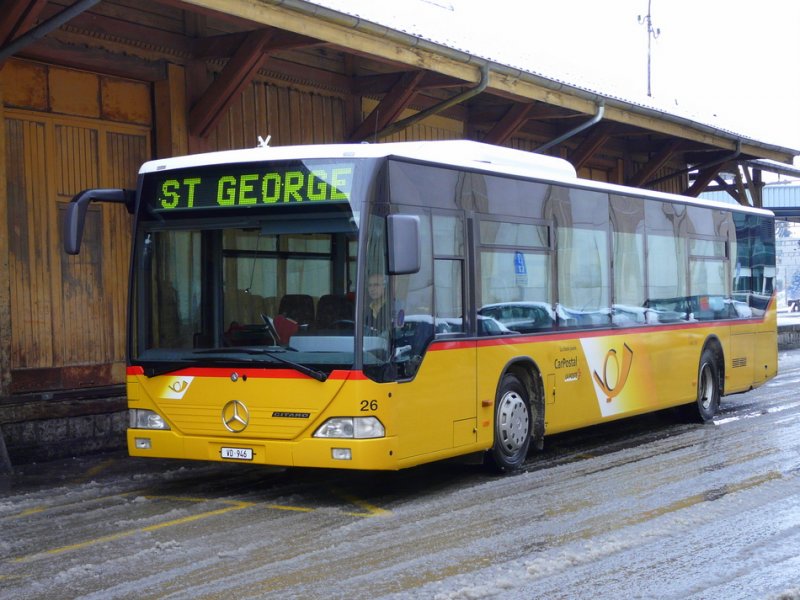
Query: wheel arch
x: 528, y: 372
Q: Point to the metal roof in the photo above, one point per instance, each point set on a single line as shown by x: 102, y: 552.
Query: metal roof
x: 452, y: 26
x: 775, y: 195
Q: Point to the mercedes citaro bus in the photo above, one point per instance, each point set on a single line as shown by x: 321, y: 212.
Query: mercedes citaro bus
x: 382, y: 306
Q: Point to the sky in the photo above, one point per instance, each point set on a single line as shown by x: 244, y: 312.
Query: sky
x: 727, y: 63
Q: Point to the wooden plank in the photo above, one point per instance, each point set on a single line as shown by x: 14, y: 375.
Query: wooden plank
x: 130, y: 23
x: 84, y: 310
x: 30, y: 311
x: 125, y: 101
x: 26, y: 84
x: 52, y: 50
x: 39, y: 380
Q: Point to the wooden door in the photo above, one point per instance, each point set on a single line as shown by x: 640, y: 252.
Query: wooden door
x: 68, y: 313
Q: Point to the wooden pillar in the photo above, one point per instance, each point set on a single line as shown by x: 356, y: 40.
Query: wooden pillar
x: 171, y: 109
x: 5, y: 276
x: 5, y: 282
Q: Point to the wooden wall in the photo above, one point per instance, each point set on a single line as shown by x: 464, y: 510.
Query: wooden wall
x: 66, y: 131
x: 289, y: 115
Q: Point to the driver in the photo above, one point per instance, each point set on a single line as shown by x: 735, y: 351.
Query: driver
x: 377, y: 316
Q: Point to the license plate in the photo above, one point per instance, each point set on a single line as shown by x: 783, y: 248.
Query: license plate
x: 237, y: 453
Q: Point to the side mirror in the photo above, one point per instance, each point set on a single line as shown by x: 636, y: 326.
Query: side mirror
x: 404, y: 244
x: 75, y: 216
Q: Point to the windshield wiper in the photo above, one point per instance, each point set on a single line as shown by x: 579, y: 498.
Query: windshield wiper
x: 314, y: 373
x: 177, y: 365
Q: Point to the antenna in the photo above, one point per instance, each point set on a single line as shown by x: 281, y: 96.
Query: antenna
x: 652, y: 34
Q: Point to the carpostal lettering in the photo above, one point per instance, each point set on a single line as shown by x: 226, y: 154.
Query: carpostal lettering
x: 566, y: 363
x: 330, y: 184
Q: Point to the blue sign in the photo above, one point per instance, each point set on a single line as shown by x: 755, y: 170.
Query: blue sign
x: 519, y: 264
x: 520, y: 270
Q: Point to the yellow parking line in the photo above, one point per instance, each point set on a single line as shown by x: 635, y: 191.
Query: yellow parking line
x: 234, y: 505
x: 94, y: 471
x: 371, y: 509
x: 25, y: 513
x: 294, y: 508
x: 82, y: 502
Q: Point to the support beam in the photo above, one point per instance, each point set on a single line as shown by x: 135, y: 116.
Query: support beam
x: 24, y: 39
x: 389, y: 108
x: 755, y: 194
x: 666, y: 152
x: 723, y: 186
x: 170, y: 113
x: 238, y: 73
x: 511, y: 122
x: 590, y: 144
x: 18, y: 17
x: 704, y: 177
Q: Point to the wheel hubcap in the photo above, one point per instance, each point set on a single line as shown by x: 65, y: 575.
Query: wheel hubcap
x: 706, y: 387
x: 512, y: 425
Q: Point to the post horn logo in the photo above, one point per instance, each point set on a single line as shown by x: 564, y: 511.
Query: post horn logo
x: 179, y: 386
x: 622, y: 373
x: 235, y: 416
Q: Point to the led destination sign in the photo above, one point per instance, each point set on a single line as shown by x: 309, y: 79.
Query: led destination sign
x: 251, y: 185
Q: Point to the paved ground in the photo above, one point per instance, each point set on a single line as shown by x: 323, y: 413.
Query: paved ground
x: 641, y: 508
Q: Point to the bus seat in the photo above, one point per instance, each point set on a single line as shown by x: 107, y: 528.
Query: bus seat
x: 332, y: 308
x: 298, y: 307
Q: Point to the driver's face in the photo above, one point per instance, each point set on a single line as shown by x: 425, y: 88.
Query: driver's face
x: 375, y: 287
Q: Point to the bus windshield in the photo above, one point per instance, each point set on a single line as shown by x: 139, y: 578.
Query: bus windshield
x: 239, y: 265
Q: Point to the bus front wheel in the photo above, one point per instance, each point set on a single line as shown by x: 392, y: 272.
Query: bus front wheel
x: 703, y: 409
x: 512, y: 426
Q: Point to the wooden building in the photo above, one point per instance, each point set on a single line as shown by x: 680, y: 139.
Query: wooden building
x: 89, y: 89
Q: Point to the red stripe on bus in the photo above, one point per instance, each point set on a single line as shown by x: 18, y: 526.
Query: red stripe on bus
x: 338, y: 374
x: 451, y: 345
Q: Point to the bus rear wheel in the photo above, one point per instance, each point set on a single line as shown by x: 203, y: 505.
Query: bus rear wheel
x: 703, y: 409
x: 512, y: 426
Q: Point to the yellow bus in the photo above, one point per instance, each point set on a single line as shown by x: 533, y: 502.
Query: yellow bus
x: 383, y: 306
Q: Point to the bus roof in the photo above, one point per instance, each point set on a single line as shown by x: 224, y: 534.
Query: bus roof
x: 456, y: 153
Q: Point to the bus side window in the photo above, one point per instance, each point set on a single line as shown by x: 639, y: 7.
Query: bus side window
x: 516, y: 285
x: 448, y: 273
x: 413, y: 307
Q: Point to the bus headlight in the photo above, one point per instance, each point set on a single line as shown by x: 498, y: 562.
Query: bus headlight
x: 146, y: 419
x: 351, y: 427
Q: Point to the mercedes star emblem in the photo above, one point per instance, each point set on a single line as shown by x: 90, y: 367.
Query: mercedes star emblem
x: 235, y: 416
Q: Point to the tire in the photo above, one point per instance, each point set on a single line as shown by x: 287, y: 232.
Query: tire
x: 512, y: 426
x: 703, y: 409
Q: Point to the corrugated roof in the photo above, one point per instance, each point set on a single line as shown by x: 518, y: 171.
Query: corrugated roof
x: 457, y: 27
